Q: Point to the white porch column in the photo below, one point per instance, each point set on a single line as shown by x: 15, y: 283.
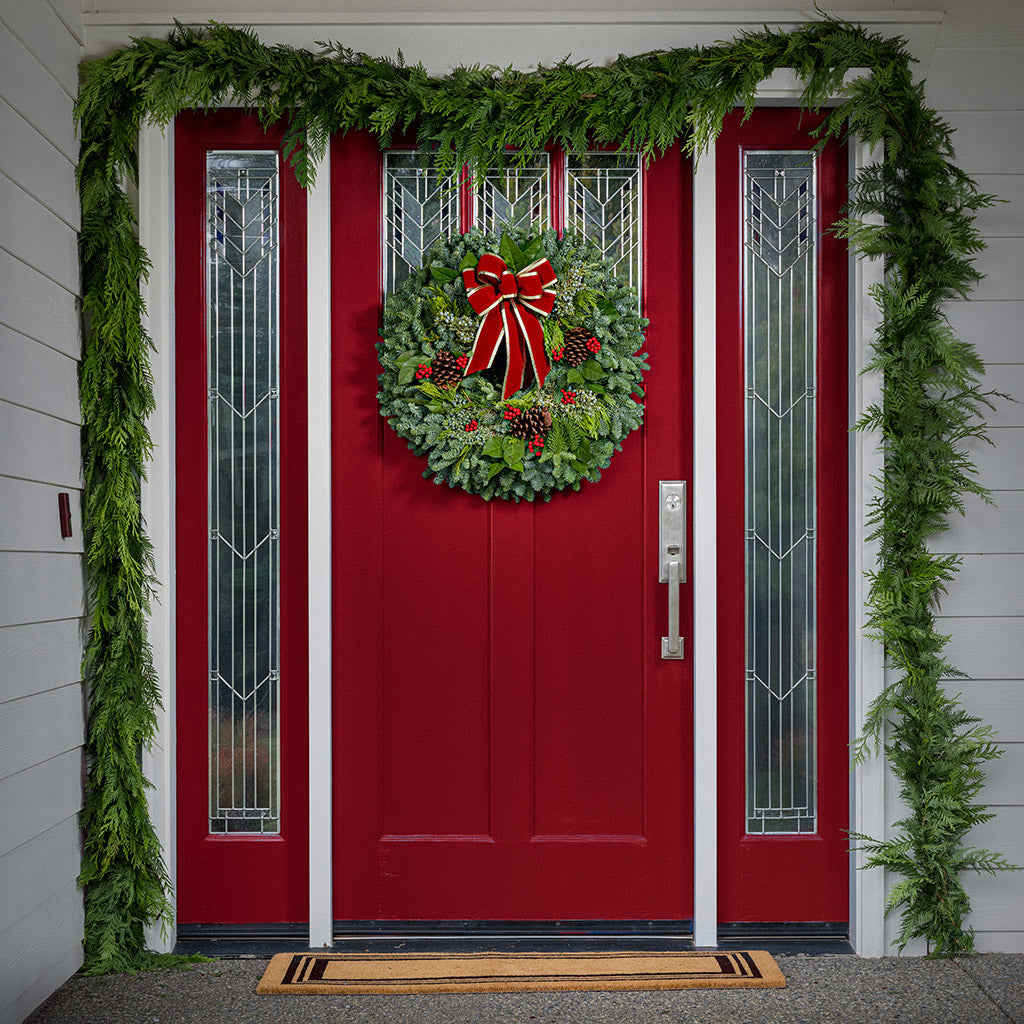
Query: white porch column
x: 318, y: 313
x: 705, y: 561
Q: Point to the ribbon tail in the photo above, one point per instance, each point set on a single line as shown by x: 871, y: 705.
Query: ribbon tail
x: 516, y: 363
x: 487, y: 341
x: 534, y: 335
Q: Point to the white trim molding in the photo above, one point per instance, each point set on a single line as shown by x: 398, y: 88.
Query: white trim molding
x: 318, y: 321
x: 867, y: 662
x: 705, y: 557
x: 156, y: 233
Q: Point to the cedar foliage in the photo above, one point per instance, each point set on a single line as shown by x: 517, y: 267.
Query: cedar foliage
x: 932, y: 405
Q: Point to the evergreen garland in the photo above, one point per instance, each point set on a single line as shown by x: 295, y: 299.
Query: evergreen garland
x: 932, y: 402
x: 586, y: 408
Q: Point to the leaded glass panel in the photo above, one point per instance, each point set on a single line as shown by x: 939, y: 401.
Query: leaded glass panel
x: 602, y: 202
x: 779, y: 300
x: 419, y: 208
x: 243, y: 515
x: 517, y: 197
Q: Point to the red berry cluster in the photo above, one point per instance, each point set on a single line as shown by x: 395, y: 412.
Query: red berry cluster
x: 471, y: 426
x: 557, y: 353
x: 593, y: 344
x: 423, y: 370
x: 568, y: 397
x: 536, y: 444
x: 461, y: 364
x: 511, y: 412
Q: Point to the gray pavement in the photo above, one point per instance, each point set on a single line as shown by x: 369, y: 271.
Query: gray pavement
x: 822, y: 989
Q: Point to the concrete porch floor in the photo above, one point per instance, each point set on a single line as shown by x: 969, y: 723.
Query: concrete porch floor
x: 821, y: 989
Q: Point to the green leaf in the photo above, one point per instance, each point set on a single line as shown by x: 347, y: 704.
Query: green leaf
x: 442, y: 274
x: 494, y: 469
x: 493, y: 447
x: 510, y: 253
x: 575, y: 377
x: 469, y: 262
x: 513, y: 450
x: 592, y: 370
x: 532, y: 250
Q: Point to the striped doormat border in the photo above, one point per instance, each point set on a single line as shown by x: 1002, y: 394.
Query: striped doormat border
x: 362, y: 973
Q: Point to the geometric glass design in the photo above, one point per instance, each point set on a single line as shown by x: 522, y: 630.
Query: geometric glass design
x: 517, y: 197
x: 602, y: 202
x: 243, y: 490
x: 779, y: 266
x: 419, y: 208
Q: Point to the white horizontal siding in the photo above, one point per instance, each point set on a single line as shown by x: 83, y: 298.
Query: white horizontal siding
x: 41, y: 589
x: 40, y: 447
x: 38, y: 377
x: 40, y: 656
x: 979, y: 89
x: 36, y: 166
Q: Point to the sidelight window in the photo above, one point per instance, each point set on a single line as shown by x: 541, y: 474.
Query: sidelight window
x: 243, y: 507
x: 779, y: 265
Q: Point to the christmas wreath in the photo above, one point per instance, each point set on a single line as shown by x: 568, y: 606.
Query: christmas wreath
x: 513, y: 364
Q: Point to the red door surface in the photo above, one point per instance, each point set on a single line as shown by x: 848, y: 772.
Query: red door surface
x: 508, y: 742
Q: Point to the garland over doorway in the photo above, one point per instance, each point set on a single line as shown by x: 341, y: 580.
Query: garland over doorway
x: 932, y: 404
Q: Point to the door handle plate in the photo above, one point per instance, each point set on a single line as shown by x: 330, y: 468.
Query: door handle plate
x: 672, y: 558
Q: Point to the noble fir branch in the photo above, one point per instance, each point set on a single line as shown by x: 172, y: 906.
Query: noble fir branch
x: 912, y: 207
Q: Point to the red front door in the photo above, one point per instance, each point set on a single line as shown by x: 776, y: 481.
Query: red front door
x: 509, y: 743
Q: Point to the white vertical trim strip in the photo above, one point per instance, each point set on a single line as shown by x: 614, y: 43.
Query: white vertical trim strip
x: 705, y: 559
x: 156, y: 233
x: 318, y: 312
x: 867, y: 664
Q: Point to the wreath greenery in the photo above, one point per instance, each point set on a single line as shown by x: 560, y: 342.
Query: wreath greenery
x: 542, y: 438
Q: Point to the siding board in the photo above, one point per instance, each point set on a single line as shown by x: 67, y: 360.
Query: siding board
x: 1001, y: 464
x: 29, y: 519
x: 994, y: 327
x: 40, y: 656
x: 38, y: 377
x: 37, y: 236
x: 988, y: 142
x: 38, y: 587
x: 36, y: 870
x: 987, y: 585
x: 36, y: 95
x: 963, y: 75
x: 1006, y: 218
x: 994, y: 529
x: 35, y: 164
x: 39, y: 727
x: 39, y: 447
x: 999, y: 702
x: 1002, y: 263
x: 986, y: 648
x: 38, y: 307
x: 1003, y: 780
x: 36, y: 24
x: 38, y: 798
x: 36, y: 960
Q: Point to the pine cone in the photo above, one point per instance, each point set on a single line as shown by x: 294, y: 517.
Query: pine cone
x: 532, y: 422
x: 576, y: 351
x: 445, y: 370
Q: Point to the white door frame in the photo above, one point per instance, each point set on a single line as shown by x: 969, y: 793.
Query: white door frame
x: 867, y: 805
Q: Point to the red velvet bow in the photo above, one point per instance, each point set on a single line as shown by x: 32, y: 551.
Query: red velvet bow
x: 506, y: 304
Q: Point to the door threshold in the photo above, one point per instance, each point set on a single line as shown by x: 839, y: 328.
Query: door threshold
x: 234, y: 941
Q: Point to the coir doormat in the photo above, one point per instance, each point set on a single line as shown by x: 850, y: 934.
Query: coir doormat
x: 352, y: 973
